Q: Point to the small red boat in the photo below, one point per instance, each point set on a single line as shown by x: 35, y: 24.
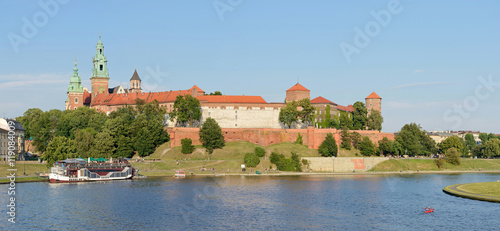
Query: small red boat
x: 429, y: 210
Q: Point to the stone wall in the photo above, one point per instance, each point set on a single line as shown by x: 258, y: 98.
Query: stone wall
x: 311, y: 137
x: 343, y: 164
x: 243, y: 117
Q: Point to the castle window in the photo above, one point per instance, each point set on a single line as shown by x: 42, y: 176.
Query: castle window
x: 100, y: 67
x: 370, y: 104
x: 236, y: 117
x: 76, y: 100
x: 100, y: 51
x: 236, y: 125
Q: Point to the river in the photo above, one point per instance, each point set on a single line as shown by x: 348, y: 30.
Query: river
x: 343, y: 202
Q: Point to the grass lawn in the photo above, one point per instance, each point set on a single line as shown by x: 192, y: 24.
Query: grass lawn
x: 430, y: 165
x: 24, y: 179
x: 30, y: 169
x: 484, y: 188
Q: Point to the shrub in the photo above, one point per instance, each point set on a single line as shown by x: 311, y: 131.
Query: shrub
x: 299, y: 139
x: 187, y: 146
x: 285, y: 164
x: 251, y: 160
x: 274, y: 157
x: 260, y: 152
x: 366, y: 147
x: 329, y: 146
x: 439, y: 162
x: 452, y: 156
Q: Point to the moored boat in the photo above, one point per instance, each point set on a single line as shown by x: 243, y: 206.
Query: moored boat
x: 180, y: 174
x: 79, y: 170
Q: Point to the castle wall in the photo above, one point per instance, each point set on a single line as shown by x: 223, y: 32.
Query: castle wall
x: 252, y: 116
x: 311, y: 137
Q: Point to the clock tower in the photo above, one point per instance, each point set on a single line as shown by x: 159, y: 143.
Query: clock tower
x: 100, y: 77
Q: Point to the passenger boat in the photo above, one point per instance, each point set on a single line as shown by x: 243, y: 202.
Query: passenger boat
x: 180, y: 174
x: 79, y: 170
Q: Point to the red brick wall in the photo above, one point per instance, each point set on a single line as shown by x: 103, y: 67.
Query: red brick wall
x: 297, y: 95
x: 267, y: 136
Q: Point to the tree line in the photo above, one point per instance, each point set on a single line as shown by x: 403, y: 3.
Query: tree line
x: 85, y: 132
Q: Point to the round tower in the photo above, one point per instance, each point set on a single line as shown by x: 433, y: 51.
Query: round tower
x: 373, y: 102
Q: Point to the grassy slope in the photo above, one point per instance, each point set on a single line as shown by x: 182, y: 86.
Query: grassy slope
x: 429, y: 165
x: 485, y: 188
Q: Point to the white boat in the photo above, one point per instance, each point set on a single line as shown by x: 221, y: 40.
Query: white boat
x: 78, y: 170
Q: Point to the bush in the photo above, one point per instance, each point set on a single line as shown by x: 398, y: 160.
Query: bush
x: 439, y: 162
x: 329, y: 146
x: 211, y: 135
x: 275, y: 157
x: 285, y: 164
x: 251, y: 160
x: 452, y: 156
x: 187, y: 146
x: 299, y: 139
x: 260, y: 152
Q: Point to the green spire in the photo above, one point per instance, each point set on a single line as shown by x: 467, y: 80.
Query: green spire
x: 100, y: 62
x: 75, y: 84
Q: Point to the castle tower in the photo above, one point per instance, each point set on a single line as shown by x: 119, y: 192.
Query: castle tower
x: 373, y: 102
x: 75, y: 91
x: 100, y: 77
x: 297, y: 93
x: 135, y: 83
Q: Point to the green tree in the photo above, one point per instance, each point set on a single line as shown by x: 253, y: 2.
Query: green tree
x: 187, y: 111
x: 187, y: 146
x: 289, y: 114
x: 375, y: 121
x: 329, y: 146
x: 345, y: 138
x: 85, y: 138
x: 59, y: 149
x: 345, y: 120
x: 144, y: 143
x: 29, y: 119
x: 251, y: 160
x: 386, y: 146
x: 356, y: 140
x: 470, y: 142
x: 492, y: 148
x: 479, y: 150
x: 306, y: 115
x: 366, y: 147
x: 453, y: 156
x: 124, y: 147
x: 211, y: 135
x: 104, y: 145
x: 492, y: 136
x: 260, y: 152
x: 451, y: 142
x: 415, y: 141
x: 359, y: 116
x: 483, y: 137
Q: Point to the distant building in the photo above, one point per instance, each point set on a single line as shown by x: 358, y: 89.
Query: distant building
x: 4, y: 139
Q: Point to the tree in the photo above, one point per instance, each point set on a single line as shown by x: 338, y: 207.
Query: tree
x: 104, y: 145
x: 251, y: 160
x: 492, y: 148
x: 345, y: 138
x: 260, y: 152
x: 124, y: 147
x: 211, y: 135
x: 307, y: 113
x: 375, y: 121
x: 85, y: 138
x: 470, y: 142
x: 359, y: 116
x: 29, y: 119
x: 144, y: 143
x: 187, y: 111
x: 451, y: 142
x: 479, y: 150
x: 216, y: 93
x: 345, y: 120
x: 329, y: 146
x: 356, y: 140
x: 289, y: 114
x: 492, y: 136
x: 187, y: 146
x: 59, y: 149
x: 483, y: 137
x: 453, y: 156
x: 386, y: 146
x: 366, y: 147
x: 415, y: 141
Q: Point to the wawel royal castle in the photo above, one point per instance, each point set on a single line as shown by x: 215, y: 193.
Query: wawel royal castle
x: 230, y: 111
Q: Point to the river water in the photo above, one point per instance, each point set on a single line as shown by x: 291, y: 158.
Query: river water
x: 348, y: 202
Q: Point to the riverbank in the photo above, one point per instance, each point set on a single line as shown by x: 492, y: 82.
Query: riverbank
x: 485, y: 191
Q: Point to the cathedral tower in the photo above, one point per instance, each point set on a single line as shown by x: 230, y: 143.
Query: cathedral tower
x: 75, y: 91
x: 100, y: 77
x: 135, y: 83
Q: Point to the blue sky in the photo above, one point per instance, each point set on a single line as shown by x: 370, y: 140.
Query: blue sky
x: 435, y: 63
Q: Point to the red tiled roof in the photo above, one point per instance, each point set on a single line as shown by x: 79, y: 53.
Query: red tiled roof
x: 322, y: 100
x: 130, y: 98
x: 373, y: 95
x: 197, y: 89
x: 231, y: 99
x: 298, y: 87
x: 349, y: 108
x: 87, y: 98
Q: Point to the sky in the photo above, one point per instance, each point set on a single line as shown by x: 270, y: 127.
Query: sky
x: 434, y: 63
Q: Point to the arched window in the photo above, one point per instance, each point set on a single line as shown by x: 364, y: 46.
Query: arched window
x: 76, y: 100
